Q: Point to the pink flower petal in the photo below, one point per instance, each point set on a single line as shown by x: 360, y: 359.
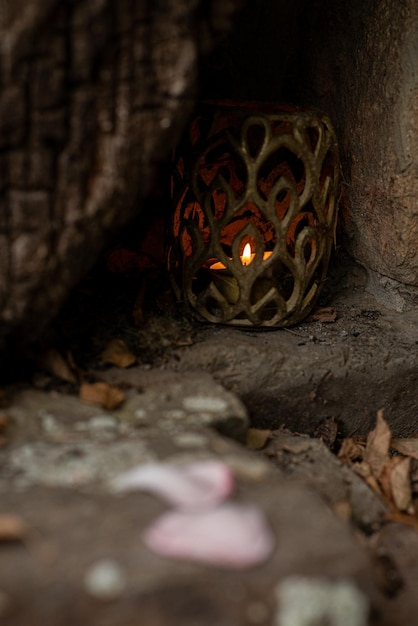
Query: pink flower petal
x: 196, y: 486
x: 235, y: 536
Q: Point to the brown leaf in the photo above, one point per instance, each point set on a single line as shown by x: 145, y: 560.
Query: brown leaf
x: 403, y: 518
x: 54, y: 363
x: 117, y: 353
x: 364, y: 470
x: 325, y: 315
x: 377, y: 446
x: 350, y: 451
x: 385, y: 481
x: 257, y: 438
x: 12, y: 528
x: 102, y: 394
x: 400, y: 480
x: 408, y: 447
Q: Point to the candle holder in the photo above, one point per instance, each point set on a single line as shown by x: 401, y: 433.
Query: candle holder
x: 255, y: 194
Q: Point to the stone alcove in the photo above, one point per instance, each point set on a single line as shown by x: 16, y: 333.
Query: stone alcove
x: 358, y: 62
x: 92, y: 98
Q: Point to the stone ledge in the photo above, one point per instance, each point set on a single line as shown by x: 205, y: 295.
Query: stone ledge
x: 78, y: 527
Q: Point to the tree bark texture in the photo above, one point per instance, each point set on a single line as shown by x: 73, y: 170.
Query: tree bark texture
x: 92, y: 94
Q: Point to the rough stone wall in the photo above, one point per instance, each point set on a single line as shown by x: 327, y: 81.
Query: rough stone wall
x: 92, y: 94
x: 362, y: 67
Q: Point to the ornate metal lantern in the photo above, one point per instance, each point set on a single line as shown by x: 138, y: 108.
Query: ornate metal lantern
x: 255, y: 196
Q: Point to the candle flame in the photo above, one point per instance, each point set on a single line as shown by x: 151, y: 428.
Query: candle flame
x: 246, y: 255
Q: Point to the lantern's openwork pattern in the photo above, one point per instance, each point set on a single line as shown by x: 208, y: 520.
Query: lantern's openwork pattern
x: 264, y: 178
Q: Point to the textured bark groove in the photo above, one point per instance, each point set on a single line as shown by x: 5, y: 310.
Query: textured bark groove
x: 92, y: 95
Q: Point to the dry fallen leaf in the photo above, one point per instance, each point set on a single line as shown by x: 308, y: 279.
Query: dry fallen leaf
x: 400, y: 481
x: 408, y: 447
x: 385, y: 482
x: 403, y: 518
x: 364, y: 470
x: 117, y: 353
x: 102, y: 394
x: 12, y: 528
x: 376, y: 453
x: 350, y: 451
x: 389, y: 476
x: 257, y: 438
x: 325, y: 315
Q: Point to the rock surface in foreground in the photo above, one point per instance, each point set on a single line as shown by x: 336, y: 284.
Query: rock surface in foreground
x: 85, y: 540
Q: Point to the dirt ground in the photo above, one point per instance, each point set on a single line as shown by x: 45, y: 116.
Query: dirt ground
x: 275, y: 406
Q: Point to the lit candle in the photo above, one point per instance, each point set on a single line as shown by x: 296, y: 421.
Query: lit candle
x: 246, y: 258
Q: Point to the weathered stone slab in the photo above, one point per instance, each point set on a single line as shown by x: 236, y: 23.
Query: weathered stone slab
x: 60, y: 440
x: 86, y: 560
x: 310, y: 461
x: 347, y: 369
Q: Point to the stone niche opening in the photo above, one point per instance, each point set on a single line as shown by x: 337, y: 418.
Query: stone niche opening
x: 356, y: 63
